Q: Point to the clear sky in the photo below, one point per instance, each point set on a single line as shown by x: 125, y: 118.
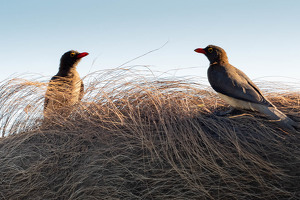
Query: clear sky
x: 261, y: 37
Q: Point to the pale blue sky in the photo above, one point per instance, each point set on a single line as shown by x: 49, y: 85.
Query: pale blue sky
x: 261, y: 37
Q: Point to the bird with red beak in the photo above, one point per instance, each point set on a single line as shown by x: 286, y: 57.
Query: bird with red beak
x: 236, y: 88
x: 65, y: 88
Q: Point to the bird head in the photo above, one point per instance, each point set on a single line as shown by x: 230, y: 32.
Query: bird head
x: 213, y: 53
x: 71, y: 58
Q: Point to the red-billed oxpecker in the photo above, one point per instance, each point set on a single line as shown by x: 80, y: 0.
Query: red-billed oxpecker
x: 237, y: 89
x: 65, y: 88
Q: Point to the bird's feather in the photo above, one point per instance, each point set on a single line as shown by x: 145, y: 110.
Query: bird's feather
x: 81, y: 91
x: 278, y: 116
x: 232, y: 82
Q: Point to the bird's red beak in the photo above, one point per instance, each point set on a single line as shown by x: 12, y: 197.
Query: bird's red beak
x: 199, y: 50
x: 81, y: 55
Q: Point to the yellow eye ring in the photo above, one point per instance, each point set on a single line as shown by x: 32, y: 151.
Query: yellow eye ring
x: 210, y: 50
x: 72, y: 54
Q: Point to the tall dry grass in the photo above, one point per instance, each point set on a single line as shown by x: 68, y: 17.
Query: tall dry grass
x: 138, y: 136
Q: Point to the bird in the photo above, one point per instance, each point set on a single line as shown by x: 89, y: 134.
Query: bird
x: 66, y: 88
x: 236, y: 88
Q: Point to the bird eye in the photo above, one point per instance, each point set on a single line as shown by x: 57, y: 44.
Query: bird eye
x: 210, y: 50
x: 72, y: 54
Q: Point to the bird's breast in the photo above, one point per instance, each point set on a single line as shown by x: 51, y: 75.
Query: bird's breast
x: 64, y: 90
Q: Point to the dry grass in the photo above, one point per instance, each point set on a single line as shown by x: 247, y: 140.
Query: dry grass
x: 137, y: 136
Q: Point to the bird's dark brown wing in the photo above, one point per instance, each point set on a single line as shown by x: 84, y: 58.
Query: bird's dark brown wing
x: 232, y: 82
x: 49, y: 89
x: 81, y: 91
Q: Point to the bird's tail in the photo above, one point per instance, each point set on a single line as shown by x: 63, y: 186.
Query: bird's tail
x: 274, y: 114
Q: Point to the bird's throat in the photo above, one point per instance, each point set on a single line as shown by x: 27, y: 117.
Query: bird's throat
x: 67, y: 71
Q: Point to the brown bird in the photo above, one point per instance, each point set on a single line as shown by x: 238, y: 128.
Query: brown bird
x: 65, y: 88
x: 237, y: 89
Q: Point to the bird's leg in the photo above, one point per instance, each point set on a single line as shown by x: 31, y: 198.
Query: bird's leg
x: 227, y: 112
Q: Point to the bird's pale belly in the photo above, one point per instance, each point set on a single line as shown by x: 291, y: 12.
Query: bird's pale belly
x: 236, y: 103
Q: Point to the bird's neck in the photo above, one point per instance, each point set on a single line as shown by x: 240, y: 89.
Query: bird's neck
x: 220, y: 61
x: 66, y: 71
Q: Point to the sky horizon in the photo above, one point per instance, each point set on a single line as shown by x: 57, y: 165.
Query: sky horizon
x: 260, y: 37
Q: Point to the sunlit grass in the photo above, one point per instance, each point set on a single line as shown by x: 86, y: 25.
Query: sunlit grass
x: 136, y: 135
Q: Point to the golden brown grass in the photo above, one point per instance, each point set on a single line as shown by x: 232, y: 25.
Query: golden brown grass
x: 137, y: 136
